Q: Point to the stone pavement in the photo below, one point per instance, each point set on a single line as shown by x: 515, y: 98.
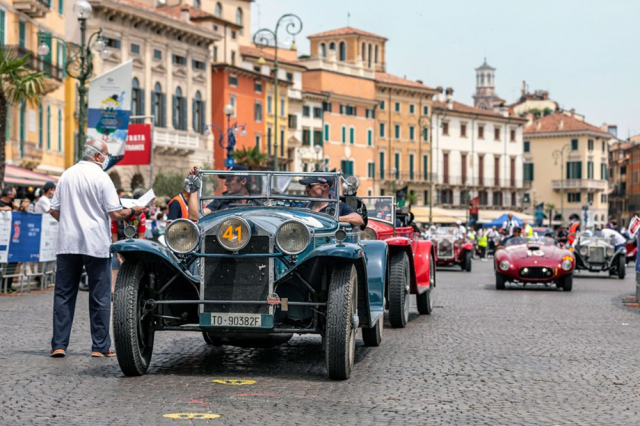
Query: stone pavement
x: 531, y: 356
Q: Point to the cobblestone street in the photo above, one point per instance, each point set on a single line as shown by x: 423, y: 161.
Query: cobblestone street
x: 534, y: 356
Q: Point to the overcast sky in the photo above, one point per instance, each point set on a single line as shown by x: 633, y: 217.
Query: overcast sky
x: 584, y: 52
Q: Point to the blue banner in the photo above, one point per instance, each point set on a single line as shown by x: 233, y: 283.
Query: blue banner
x: 27, y: 237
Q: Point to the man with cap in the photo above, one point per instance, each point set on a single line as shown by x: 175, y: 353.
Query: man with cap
x: 236, y: 185
x: 462, y: 231
x: 510, y: 224
x: 44, y: 203
x: 517, y: 233
x: 320, y: 187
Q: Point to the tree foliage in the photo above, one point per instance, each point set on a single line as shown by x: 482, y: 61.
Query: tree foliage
x: 251, y: 158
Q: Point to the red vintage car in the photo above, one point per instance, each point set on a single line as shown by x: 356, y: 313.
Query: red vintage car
x: 534, y: 260
x: 452, y: 248
x: 411, y: 268
x: 632, y: 250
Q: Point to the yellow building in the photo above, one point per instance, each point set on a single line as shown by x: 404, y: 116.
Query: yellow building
x: 565, y: 164
x: 403, y: 120
x: 35, y: 134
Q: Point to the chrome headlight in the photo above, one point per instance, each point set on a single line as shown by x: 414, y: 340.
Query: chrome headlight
x: 584, y: 251
x: 182, y: 236
x: 610, y: 251
x: 293, y: 237
x: 368, y: 234
x: 234, y: 234
x: 566, y: 264
x: 504, y: 265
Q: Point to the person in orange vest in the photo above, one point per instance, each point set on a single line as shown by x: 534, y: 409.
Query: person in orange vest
x: 179, y: 205
x: 574, y: 228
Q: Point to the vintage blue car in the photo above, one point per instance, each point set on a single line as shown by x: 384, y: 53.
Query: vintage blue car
x: 254, y: 271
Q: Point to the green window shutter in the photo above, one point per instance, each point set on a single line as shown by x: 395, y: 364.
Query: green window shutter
x: 40, y: 123
x: 326, y: 133
x: 61, y: 6
x: 48, y: 127
x: 3, y: 20
x: 397, y: 165
x: 579, y: 166
x: 344, y: 134
x: 425, y: 134
x: 425, y: 167
x: 22, y: 34
x: 59, y: 130
x: 369, y: 137
x: 411, y: 166
x: 352, y: 133
x: 382, y: 165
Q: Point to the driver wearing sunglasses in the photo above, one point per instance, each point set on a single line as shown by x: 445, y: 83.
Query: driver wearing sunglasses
x: 320, y: 187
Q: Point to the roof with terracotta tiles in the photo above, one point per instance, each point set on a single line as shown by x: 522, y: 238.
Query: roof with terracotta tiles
x: 346, y: 31
x: 176, y: 11
x: 268, y: 56
x: 387, y: 78
x: 559, y: 122
x: 457, y: 106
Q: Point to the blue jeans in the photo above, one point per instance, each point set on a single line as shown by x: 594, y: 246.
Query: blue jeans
x: 619, y: 246
x: 69, y: 269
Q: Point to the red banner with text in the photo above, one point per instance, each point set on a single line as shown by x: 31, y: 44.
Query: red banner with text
x: 137, y: 151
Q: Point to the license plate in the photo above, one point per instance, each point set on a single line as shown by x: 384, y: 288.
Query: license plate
x: 236, y: 320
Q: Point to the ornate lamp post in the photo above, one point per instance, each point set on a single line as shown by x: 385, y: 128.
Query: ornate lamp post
x: 79, y: 64
x: 559, y: 154
x: 262, y: 39
x: 227, y: 141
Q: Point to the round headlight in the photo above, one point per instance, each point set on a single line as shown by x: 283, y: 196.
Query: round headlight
x: 567, y: 264
x: 293, y: 237
x: 610, y: 251
x: 182, y: 236
x: 504, y: 265
x: 234, y: 234
x: 368, y: 234
x: 583, y: 251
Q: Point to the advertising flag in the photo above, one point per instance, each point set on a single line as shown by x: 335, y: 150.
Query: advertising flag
x: 110, y: 108
x: 137, y: 150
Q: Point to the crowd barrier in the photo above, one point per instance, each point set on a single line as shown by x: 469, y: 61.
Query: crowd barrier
x: 27, y: 249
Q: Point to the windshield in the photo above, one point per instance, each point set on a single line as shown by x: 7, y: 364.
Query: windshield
x: 221, y: 190
x: 380, y: 208
x: 446, y: 231
x: 524, y: 240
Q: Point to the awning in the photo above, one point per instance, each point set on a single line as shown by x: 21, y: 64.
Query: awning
x: 14, y: 175
x: 491, y: 215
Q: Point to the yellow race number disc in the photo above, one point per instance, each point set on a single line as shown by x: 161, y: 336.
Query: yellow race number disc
x: 235, y: 382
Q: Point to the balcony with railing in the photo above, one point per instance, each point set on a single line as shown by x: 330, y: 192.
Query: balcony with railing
x: 33, y: 8
x: 479, y: 182
x: 580, y: 184
x: 175, y: 140
x: 406, y: 177
x: 54, y: 73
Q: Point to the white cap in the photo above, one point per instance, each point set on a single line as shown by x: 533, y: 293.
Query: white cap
x: 458, y: 222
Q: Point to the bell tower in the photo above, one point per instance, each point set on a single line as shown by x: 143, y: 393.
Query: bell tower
x: 485, y: 86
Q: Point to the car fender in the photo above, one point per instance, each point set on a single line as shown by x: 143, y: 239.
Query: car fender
x: 467, y: 246
x: 149, y: 251
x: 620, y: 252
x: 376, y: 254
x: 419, y: 260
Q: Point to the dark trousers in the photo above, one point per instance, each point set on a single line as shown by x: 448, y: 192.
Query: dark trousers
x: 66, y: 291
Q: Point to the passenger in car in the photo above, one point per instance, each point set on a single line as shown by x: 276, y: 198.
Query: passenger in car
x: 320, y: 187
x: 235, y: 184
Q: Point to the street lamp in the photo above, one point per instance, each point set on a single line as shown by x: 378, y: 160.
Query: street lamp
x: 227, y: 141
x: 559, y: 153
x: 261, y: 39
x: 79, y: 64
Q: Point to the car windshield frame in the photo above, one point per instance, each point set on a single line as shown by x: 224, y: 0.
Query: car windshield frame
x: 528, y: 240
x: 270, y: 195
x: 390, y: 198
x: 451, y: 232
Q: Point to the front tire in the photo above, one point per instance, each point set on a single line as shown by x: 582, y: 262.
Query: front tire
x: 399, y: 288
x: 467, y: 261
x: 567, y: 282
x: 133, y: 332
x: 373, y: 336
x: 425, y: 300
x: 622, y: 267
x: 500, y: 281
x: 342, y: 319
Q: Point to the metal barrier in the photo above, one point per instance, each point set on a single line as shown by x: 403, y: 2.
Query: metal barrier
x: 45, y: 271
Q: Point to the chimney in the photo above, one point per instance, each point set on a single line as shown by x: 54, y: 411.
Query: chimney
x: 561, y: 124
x: 184, y: 13
x: 538, y: 125
x: 572, y: 111
x: 449, y: 97
x: 419, y: 82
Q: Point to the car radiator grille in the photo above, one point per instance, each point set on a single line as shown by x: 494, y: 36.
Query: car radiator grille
x: 240, y: 278
x: 536, y: 273
x: 445, y: 249
x: 596, y: 255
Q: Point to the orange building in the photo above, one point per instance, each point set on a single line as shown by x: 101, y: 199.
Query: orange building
x: 245, y: 91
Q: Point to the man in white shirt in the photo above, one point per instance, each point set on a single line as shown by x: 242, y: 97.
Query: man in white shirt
x: 44, y: 202
x: 614, y: 237
x: 510, y: 224
x: 462, y: 231
x: 83, y: 202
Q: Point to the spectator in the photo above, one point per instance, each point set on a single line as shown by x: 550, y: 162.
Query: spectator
x: 121, y: 192
x: 615, y: 238
x: 510, y: 224
x: 36, y: 196
x: 462, y: 231
x: 516, y: 233
x: 6, y: 200
x: 179, y: 205
x: 483, y: 242
x: 83, y: 203
x: 44, y: 203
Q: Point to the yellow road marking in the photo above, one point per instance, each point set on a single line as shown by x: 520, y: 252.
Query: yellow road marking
x: 235, y: 382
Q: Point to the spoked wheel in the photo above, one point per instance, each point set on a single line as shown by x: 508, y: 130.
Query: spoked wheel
x: 399, y: 288
x: 425, y: 300
x: 342, y: 322
x: 373, y: 336
x: 132, y: 326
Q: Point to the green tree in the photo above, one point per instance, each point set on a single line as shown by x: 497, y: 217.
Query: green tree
x: 411, y: 199
x: 168, y: 184
x: 251, y: 158
x: 18, y: 84
x: 550, y: 209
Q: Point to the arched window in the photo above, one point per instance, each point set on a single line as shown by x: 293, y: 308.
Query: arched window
x: 369, y: 56
x: 343, y: 51
x: 179, y: 110
x: 363, y: 52
x: 137, y: 98
x: 158, y: 106
x: 481, y: 79
x: 218, y: 10
x: 239, y: 16
x: 196, y: 3
x: 376, y: 56
x: 323, y: 50
x: 332, y: 46
x: 198, y: 113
